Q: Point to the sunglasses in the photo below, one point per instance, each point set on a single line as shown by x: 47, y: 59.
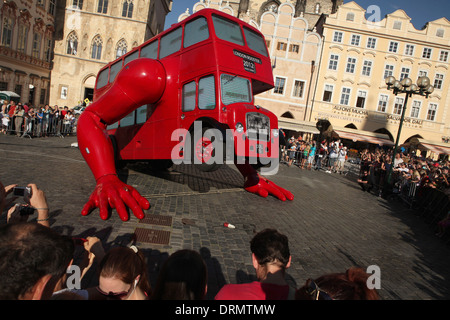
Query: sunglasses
x: 313, y: 290
x: 113, y: 295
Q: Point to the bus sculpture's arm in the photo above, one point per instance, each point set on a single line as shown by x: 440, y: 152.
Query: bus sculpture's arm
x: 140, y: 82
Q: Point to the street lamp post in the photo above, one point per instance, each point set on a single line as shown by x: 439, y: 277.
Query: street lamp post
x: 423, y: 88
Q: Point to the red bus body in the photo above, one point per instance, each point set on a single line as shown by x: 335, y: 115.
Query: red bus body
x: 146, y: 133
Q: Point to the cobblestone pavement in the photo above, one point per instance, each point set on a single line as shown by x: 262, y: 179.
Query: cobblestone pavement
x: 331, y: 224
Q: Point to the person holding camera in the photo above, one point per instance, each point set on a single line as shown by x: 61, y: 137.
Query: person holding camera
x: 35, y: 201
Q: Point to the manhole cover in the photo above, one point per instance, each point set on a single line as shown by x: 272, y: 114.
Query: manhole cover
x: 157, y: 220
x: 152, y: 236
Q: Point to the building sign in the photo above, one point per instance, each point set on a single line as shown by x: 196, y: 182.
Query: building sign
x: 357, y: 111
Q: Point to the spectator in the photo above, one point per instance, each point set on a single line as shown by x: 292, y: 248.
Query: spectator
x: 340, y: 162
x: 19, y: 115
x: 33, y: 260
x: 183, y: 276
x: 270, y: 258
x: 332, y: 156
x: 123, y: 275
x: 365, y: 182
x: 351, y: 285
x: 312, y: 154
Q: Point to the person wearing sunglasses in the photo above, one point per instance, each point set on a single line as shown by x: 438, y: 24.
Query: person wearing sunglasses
x: 349, y: 285
x: 123, y: 275
x: 270, y: 257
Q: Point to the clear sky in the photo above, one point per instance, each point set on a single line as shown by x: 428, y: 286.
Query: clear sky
x: 420, y: 12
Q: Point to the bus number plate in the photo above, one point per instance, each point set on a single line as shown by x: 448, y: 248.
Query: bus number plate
x: 249, y: 66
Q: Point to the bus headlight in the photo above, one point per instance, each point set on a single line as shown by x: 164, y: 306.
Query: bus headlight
x: 239, y: 127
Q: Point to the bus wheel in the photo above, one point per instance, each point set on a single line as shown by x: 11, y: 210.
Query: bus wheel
x: 119, y: 163
x: 203, y: 151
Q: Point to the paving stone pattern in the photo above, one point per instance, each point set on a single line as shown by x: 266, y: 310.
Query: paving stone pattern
x: 331, y: 224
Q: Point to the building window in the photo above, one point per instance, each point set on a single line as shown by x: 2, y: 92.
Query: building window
x: 371, y: 43
x: 415, y: 109
x: 22, y: 38
x: 355, y: 40
x: 361, y: 100
x: 405, y: 73
x: 351, y: 63
x: 36, y: 45
x: 282, y: 46
x: 431, y: 113
x: 121, y: 48
x: 345, y: 96
x: 332, y: 65
x: 398, y: 106
x: 382, y: 103
x: 367, y: 68
x: 327, y: 93
x: 393, y: 47
x: 388, y: 71
x: 298, y: 88
x: 443, y: 56
x: 72, y: 44
x: 409, y: 50
x: 78, y: 3
x: 127, y: 9
x: 279, y: 85
x: 3, y: 86
x: 294, y: 48
x: 18, y: 89
x: 337, y: 37
x: 48, y: 50
x: 97, y: 45
x: 43, y: 96
x: 7, y: 32
x: 350, y: 16
x: 102, y: 6
x: 397, y: 25
x: 438, y: 79
x: 426, y: 54
x: 440, y: 33
x: 423, y: 73
x: 52, y: 7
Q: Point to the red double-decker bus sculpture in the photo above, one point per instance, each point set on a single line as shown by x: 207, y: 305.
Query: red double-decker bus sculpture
x: 186, y: 95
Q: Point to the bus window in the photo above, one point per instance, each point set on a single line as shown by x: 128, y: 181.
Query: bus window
x: 228, y: 30
x: 113, y: 126
x: 102, y: 79
x: 195, y: 32
x: 235, y: 89
x: 115, y: 68
x: 206, y: 93
x: 150, y: 50
x: 131, y: 57
x: 189, y: 94
x: 255, y: 42
x: 141, y: 114
x: 170, y: 43
x: 127, y: 120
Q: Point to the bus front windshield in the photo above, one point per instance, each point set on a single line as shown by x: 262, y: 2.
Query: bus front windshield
x: 235, y: 89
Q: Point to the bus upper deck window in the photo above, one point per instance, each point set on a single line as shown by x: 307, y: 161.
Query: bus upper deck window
x: 150, y: 50
x: 170, y: 43
x: 131, y: 57
x: 255, y: 41
x: 189, y: 94
x: 195, y: 32
x: 115, y: 68
x: 235, y: 89
x: 228, y: 30
x: 206, y: 93
x: 102, y: 79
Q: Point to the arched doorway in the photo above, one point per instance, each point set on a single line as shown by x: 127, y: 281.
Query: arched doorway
x: 287, y: 115
x: 88, y: 88
x: 351, y: 126
x: 385, y: 131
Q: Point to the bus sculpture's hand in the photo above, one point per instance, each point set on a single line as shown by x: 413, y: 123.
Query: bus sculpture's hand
x: 261, y: 186
x: 111, y: 193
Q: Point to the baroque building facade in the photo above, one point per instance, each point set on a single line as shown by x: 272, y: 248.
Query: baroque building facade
x: 26, y: 44
x: 330, y: 63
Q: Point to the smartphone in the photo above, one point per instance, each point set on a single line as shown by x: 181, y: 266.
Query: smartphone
x: 22, y: 191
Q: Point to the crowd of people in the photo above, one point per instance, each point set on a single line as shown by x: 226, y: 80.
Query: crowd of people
x: 26, y: 120
x: 326, y: 155
x: 34, y: 260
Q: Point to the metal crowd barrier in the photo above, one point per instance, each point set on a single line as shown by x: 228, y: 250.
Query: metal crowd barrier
x: 36, y: 128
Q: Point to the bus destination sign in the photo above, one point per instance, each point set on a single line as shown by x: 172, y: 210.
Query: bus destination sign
x: 248, y: 61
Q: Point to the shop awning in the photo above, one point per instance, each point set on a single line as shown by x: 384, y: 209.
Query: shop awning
x: 298, y: 125
x: 435, y: 147
x: 364, y: 136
